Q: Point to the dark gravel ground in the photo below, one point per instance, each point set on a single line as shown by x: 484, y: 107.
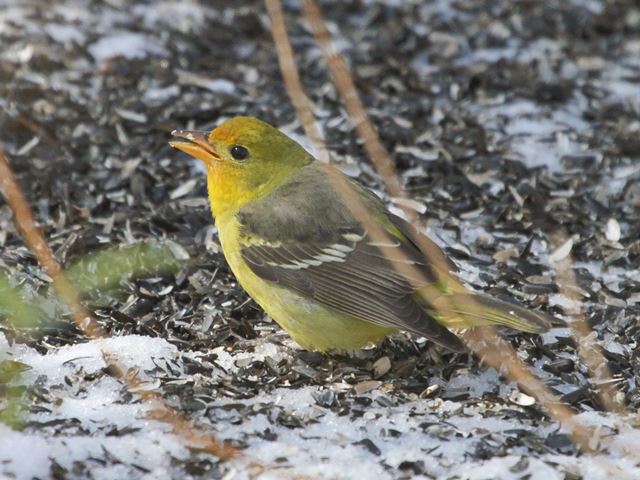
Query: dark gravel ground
x: 509, y: 121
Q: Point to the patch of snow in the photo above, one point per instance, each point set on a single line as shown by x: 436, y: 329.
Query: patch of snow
x: 228, y: 360
x: 609, y: 276
x: 156, y: 95
x: 133, y: 351
x: 617, y: 79
x: 508, y: 468
x: 186, y: 16
x: 125, y: 44
x: 72, y: 12
x: 216, y: 85
x: 24, y: 455
x: 538, y: 136
x: 567, y: 304
x: 478, y: 383
x: 98, y: 407
x: 470, y: 274
x: 330, y: 446
x: 551, y: 335
x: 65, y: 33
x: 421, y: 66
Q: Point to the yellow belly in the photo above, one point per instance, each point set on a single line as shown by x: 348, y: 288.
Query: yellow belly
x: 310, y: 324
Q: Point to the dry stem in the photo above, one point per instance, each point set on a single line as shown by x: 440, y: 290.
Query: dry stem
x: 292, y: 82
x: 610, y: 397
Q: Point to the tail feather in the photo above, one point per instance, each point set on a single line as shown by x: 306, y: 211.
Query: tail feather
x: 466, y: 310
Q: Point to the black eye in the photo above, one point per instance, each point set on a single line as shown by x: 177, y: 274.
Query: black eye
x: 239, y: 152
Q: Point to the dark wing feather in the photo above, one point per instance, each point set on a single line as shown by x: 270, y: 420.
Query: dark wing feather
x: 362, y: 283
x: 302, y: 236
x: 411, y: 234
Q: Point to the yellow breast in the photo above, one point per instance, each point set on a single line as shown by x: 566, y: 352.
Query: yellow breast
x: 310, y: 324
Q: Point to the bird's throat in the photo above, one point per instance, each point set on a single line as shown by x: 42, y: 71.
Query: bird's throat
x: 223, y: 193
x: 229, y: 191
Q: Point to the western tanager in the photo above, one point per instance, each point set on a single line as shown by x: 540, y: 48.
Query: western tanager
x: 296, y: 247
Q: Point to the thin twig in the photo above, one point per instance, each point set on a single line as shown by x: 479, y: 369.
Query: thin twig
x: 292, y: 82
x: 494, y: 351
x: 485, y: 342
x: 304, y: 111
x: 347, y: 89
x: 610, y: 397
x: 372, y: 144
x: 24, y: 219
x: 35, y: 128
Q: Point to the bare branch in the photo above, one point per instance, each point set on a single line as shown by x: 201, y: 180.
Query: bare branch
x: 610, y: 397
x: 347, y: 89
x: 292, y: 82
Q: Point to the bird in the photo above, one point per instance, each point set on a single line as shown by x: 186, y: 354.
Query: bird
x: 332, y: 279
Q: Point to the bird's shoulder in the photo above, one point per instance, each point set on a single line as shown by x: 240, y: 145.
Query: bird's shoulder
x: 308, y: 209
x: 305, y: 208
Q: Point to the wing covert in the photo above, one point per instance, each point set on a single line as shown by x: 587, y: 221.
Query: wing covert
x: 355, y: 276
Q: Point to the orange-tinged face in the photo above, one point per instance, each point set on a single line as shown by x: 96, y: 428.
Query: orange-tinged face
x: 245, y: 158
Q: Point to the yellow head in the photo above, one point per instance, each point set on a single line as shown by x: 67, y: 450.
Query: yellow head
x: 245, y: 158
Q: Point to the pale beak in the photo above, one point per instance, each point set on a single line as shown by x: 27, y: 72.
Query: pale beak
x: 197, y: 146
